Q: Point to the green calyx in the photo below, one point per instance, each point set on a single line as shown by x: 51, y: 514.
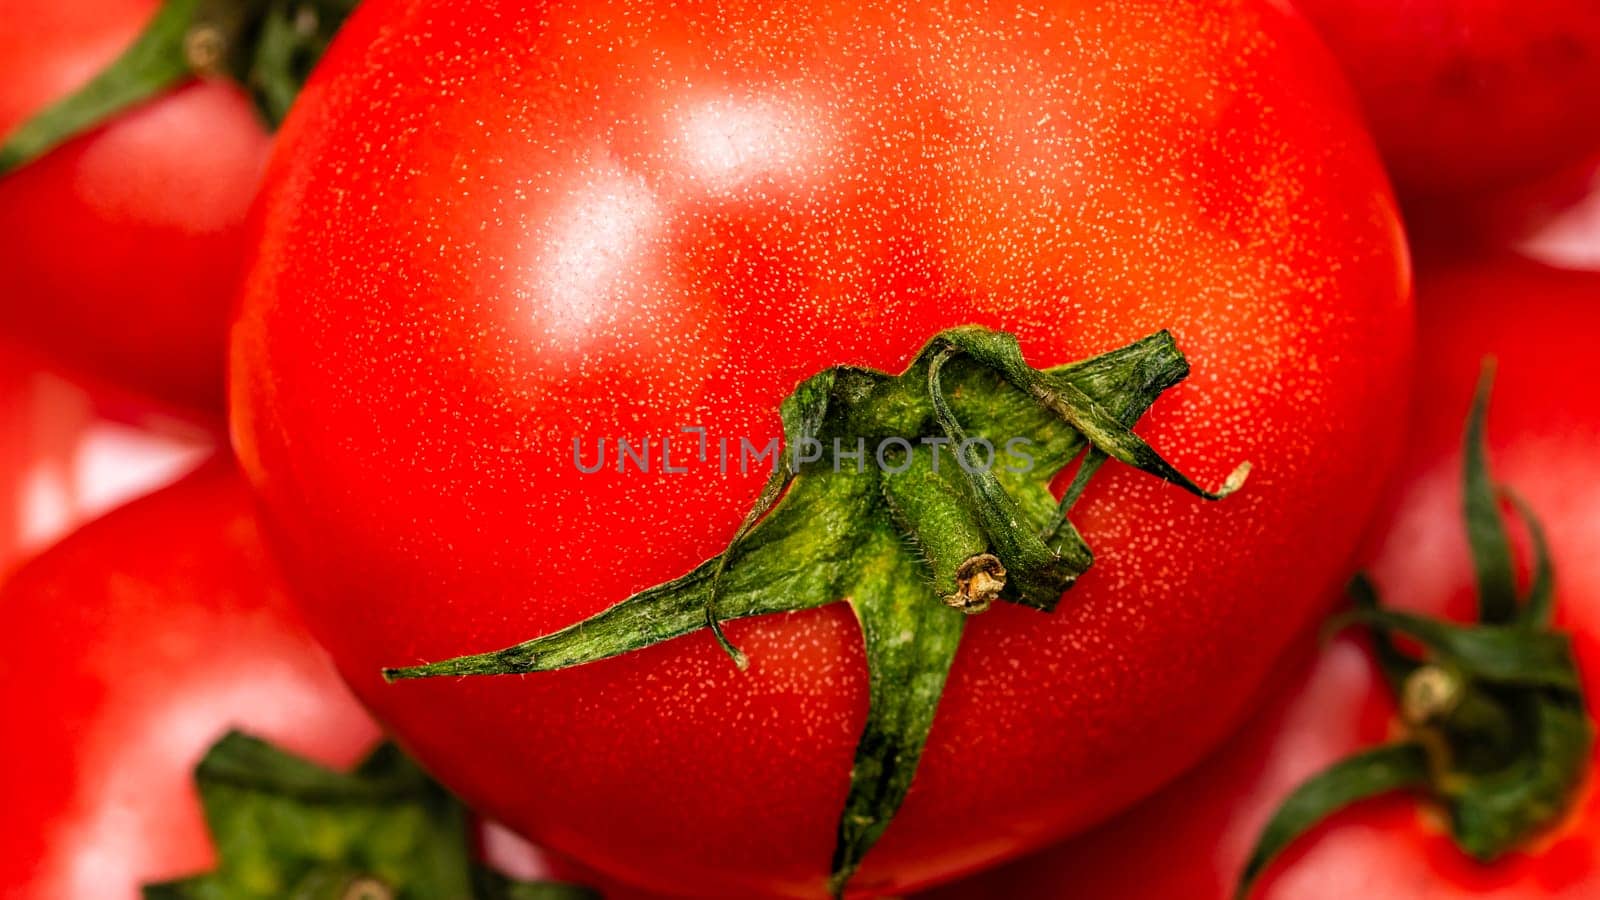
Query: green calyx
x: 285, y: 827
x: 1497, y: 732
x: 268, y: 47
x: 917, y: 519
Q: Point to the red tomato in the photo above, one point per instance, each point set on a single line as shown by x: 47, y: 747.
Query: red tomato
x: 1471, y: 96
x: 122, y: 247
x: 128, y: 649
x: 1544, y: 426
x: 494, y: 228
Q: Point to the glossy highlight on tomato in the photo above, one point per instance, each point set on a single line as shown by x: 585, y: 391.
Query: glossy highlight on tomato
x: 596, y: 220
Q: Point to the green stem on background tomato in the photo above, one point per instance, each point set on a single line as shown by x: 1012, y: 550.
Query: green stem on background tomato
x: 268, y: 47
x: 1497, y: 730
x: 284, y: 826
x: 913, y: 540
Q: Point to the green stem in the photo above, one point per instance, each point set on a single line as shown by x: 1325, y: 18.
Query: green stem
x: 901, y: 537
x: 267, y: 47
x: 928, y: 509
x: 1486, y: 530
x: 1042, y: 573
x: 1369, y: 774
x: 154, y: 63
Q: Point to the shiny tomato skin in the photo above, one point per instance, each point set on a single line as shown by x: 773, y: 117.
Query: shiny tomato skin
x: 63, y: 464
x: 128, y: 649
x: 1471, y: 96
x: 65, y: 461
x: 1544, y: 426
x: 123, y: 246
x: 40, y: 434
x: 492, y: 228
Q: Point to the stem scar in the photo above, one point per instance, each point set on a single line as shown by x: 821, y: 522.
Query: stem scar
x: 979, y: 580
x: 1429, y: 694
x: 204, y: 47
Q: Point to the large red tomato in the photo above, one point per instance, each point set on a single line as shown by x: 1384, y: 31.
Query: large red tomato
x: 1474, y: 97
x: 128, y: 649
x: 493, y: 229
x: 1543, y: 431
x: 122, y: 247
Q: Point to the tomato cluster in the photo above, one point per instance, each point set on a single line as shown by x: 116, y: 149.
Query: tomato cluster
x: 802, y: 448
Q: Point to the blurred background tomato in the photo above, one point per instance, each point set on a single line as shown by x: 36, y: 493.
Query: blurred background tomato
x: 64, y: 461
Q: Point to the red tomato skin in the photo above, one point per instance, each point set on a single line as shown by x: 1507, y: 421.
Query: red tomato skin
x: 1470, y: 96
x: 129, y: 648
x: 123, y: 246
x: 1544, y: 425
x: 615, y: 220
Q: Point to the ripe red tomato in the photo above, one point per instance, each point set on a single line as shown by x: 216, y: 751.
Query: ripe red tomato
x: 122, y: 247
x: 1471, y: 96
x: 494, y: 228
x: 1544, y: 427
x: 128, y: 649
